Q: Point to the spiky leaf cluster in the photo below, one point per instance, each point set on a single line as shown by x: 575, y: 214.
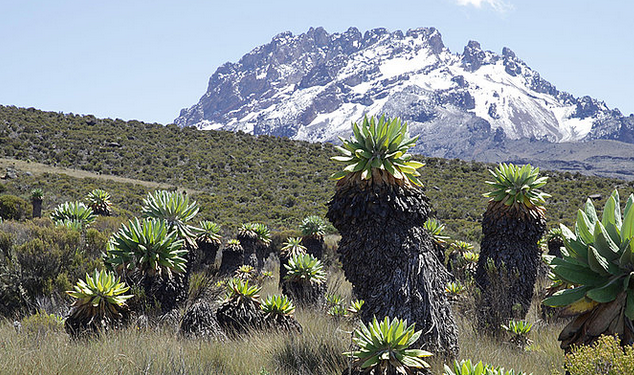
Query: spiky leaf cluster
x: 461, y: 247
x: 293, y: 246
x: 256, y: 230
x: 73, y: 214
x: 454, y: 288
x: 355, y: 306
x: 245, y: 272
x: 379, y: 145
x: 233, y: 242
x: 306, y: 268
x: 240, y: 291
x: 436, y: 230
x: 466, y: 367
x: 277, y: 305
x: 148, y: 245
x: 313, y: 226
x: 208, y: 231
x: 518, y: 327
x: 37, y: 194
x: 517, y: 186
x: 384, y: 347
x: 175, y: 209
x: 99, y: 201
x: 555, y: 233
x: 597, y: 259
x: 100, y: 295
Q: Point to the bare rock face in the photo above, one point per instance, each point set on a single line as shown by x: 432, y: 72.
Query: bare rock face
x: 311, y: 86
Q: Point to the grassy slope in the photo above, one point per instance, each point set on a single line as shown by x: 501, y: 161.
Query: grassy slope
x: 236, y: 177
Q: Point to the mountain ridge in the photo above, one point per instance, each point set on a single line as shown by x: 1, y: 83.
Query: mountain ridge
x: 310, y: 86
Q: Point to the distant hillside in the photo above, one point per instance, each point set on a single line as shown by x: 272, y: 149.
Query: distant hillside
x: 237, y: 177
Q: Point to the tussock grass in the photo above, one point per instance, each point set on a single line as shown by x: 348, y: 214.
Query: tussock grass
x: 317, y: 351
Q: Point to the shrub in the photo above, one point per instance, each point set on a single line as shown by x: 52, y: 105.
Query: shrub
x: 605, y: 357
x: 13, y: 207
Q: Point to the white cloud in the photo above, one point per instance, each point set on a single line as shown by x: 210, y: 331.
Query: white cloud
x: 501, y: 6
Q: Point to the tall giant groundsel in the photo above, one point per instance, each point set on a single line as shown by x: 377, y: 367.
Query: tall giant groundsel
x: 379, y: 210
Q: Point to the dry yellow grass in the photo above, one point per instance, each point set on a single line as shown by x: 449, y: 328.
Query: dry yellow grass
x: 39, y: 169
x: 317, y: 351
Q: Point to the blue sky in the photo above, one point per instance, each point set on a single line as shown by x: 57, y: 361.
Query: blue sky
x: 146, y: 60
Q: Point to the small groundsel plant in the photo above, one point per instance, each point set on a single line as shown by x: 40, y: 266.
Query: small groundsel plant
x: 454, y: 288
x: 175, y: 209
x: 519, y: 330
x: 313, y: 226
x: 379, y: 146
x: 37, y: 194
x: 148, y: 246
x: 208, y: 231
x: 466, y: 367
x: 436, y: 230
x: 355, y: 307
x: 305, y: 268
x: 245, y: 272
x: 73, y: 215
x: 276, y: 305
x: 384, y: 347
x: 99, y: 298
x: 241, y: 292
x: 99, y: 201
x: 258, y: 231
x: 293, y: 246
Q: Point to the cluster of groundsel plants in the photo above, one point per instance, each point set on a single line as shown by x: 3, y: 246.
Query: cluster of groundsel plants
x: 384, y: 347
x: 147, y: 245
x: 100, y: 295
x: 277, y: 305
x: 597, y: 261
x: 73, y: 215
x: 517, y: 186
x: 174, y: 208
x: 305, y: 268
x: 379, y: 145
x: 256, y: 230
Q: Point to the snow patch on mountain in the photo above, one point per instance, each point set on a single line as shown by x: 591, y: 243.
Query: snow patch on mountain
x: 311, y: 86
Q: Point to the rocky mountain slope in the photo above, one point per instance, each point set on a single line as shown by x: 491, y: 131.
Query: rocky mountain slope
x: 311, y: 86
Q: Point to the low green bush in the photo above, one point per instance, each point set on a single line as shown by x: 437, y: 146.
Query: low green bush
x: 13, y: 207
x: 605, y: 357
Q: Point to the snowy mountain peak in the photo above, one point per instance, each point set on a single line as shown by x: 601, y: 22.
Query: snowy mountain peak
x: 311, y: 86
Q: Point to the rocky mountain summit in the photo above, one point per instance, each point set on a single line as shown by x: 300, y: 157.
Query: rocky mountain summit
x: 311, y: 86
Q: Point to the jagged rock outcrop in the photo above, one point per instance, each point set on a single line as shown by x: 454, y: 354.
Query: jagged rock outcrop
x: 311, y: 86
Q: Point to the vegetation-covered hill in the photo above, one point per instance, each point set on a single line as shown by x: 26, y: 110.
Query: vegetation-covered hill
x: 237, y: 177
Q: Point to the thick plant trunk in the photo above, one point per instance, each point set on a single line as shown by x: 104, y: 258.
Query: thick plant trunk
x: 249, y: 244
x: 236, y: 318
x: 37, y: 207
x: 200, y: 321
x: 283, y: 323
x: 390, y: 259
x: 262, y: 252
x: 554, y: 247
x: 232, y: 259
x: 305, y: 293
x: 168, y: 292
x: 204, y: 256
x: 314, y: 246
x: 507, y: 268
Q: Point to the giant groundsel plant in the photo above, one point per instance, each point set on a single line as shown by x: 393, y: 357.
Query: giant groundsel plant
x: 598, y: 264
